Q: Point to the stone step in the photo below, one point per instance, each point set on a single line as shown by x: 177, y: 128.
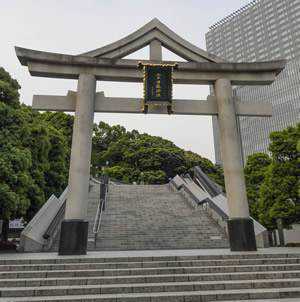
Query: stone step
x: 146, y: 288
x: 268, y: 300
x: 53, y: 259
x: 203, y: 296
x: 148, y: 264
x: 147, y: 271
x: 200, y: 233
x: 181, y: 277
x: 149, y: 246
x: 34, y: 282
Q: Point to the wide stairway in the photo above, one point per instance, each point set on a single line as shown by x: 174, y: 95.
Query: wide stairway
x: 143, y: 217
x: 237, y: 277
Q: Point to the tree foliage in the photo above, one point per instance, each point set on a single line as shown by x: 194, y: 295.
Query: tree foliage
x: 255, y: 171
x: 33, y: 155
x: 273, y: 182
x: 279, y: 193
x: 131, y: 156
x: 8, y: 89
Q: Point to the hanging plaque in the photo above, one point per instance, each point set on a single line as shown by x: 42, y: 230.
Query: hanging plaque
x: 158, y: 86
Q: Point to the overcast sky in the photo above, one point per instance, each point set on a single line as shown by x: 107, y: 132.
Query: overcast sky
x: 76, y: 26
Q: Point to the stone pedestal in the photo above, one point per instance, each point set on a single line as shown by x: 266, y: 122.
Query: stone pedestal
x: 73, y: 238
x: 241, y: 234
x: 240, y: 228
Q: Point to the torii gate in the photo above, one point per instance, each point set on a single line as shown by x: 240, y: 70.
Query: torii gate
x: 106, y: 64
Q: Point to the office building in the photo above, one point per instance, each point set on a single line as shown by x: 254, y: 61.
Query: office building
x: 263, y: 30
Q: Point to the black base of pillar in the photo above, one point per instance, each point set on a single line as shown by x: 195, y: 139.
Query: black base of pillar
x: 73, y: 237
x: 241, y: 234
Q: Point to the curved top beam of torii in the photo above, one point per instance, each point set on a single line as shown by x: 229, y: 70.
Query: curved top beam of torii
x: 107, y: 63
x: 153, y: 30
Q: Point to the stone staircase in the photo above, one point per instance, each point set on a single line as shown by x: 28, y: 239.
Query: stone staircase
x: 223, y: 277
x: 143, y: 217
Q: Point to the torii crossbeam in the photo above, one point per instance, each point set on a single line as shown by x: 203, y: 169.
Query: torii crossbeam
x: 106, y: 64
x: 133, y: 105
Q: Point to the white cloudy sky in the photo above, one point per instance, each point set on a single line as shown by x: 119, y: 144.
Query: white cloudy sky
x: 74, y: 26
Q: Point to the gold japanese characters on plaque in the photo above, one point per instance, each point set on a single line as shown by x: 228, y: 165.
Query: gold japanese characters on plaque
x: 158, y: 86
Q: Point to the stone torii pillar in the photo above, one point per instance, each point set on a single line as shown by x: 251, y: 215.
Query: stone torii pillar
x: 240, y: 225
x: 74, y: 228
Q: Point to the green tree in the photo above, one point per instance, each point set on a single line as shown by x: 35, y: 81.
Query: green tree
x: 15, y: 160
x: 62, y: 122
x: 154, y: 177
x: 284, y: 144
x: 9, y: 87
x: 33, y: 155
x: 279, y: 192
x: 15, y: 180
x: 255, y: 170
x: 135, y: 157
x: 49, y: 168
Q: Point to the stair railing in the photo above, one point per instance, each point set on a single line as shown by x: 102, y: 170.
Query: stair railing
x: 102, y: 204
x: 215, y: 204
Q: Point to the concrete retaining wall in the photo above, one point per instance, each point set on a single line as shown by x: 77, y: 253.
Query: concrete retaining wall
x: 31, y: 239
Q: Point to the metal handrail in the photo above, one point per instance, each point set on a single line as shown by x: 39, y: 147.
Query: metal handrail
x: 101, y: 207
x: 100, y: 210
x: 98, y: 217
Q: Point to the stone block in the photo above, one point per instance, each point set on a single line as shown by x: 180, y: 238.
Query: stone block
x: 73, y: 237
x: 241, y: 234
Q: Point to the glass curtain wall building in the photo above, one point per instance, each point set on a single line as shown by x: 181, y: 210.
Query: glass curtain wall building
x: 263, y: 30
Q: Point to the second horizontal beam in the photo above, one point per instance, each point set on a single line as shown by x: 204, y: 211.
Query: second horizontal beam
x: 134, y: 105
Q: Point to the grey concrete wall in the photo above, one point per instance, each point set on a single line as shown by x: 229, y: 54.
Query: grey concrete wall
x: 31, y: 239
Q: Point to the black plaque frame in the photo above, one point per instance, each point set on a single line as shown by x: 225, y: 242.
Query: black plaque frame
x: 158, y: 86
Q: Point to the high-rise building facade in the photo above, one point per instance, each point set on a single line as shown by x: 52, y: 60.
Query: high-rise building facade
x: 263, y: 30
